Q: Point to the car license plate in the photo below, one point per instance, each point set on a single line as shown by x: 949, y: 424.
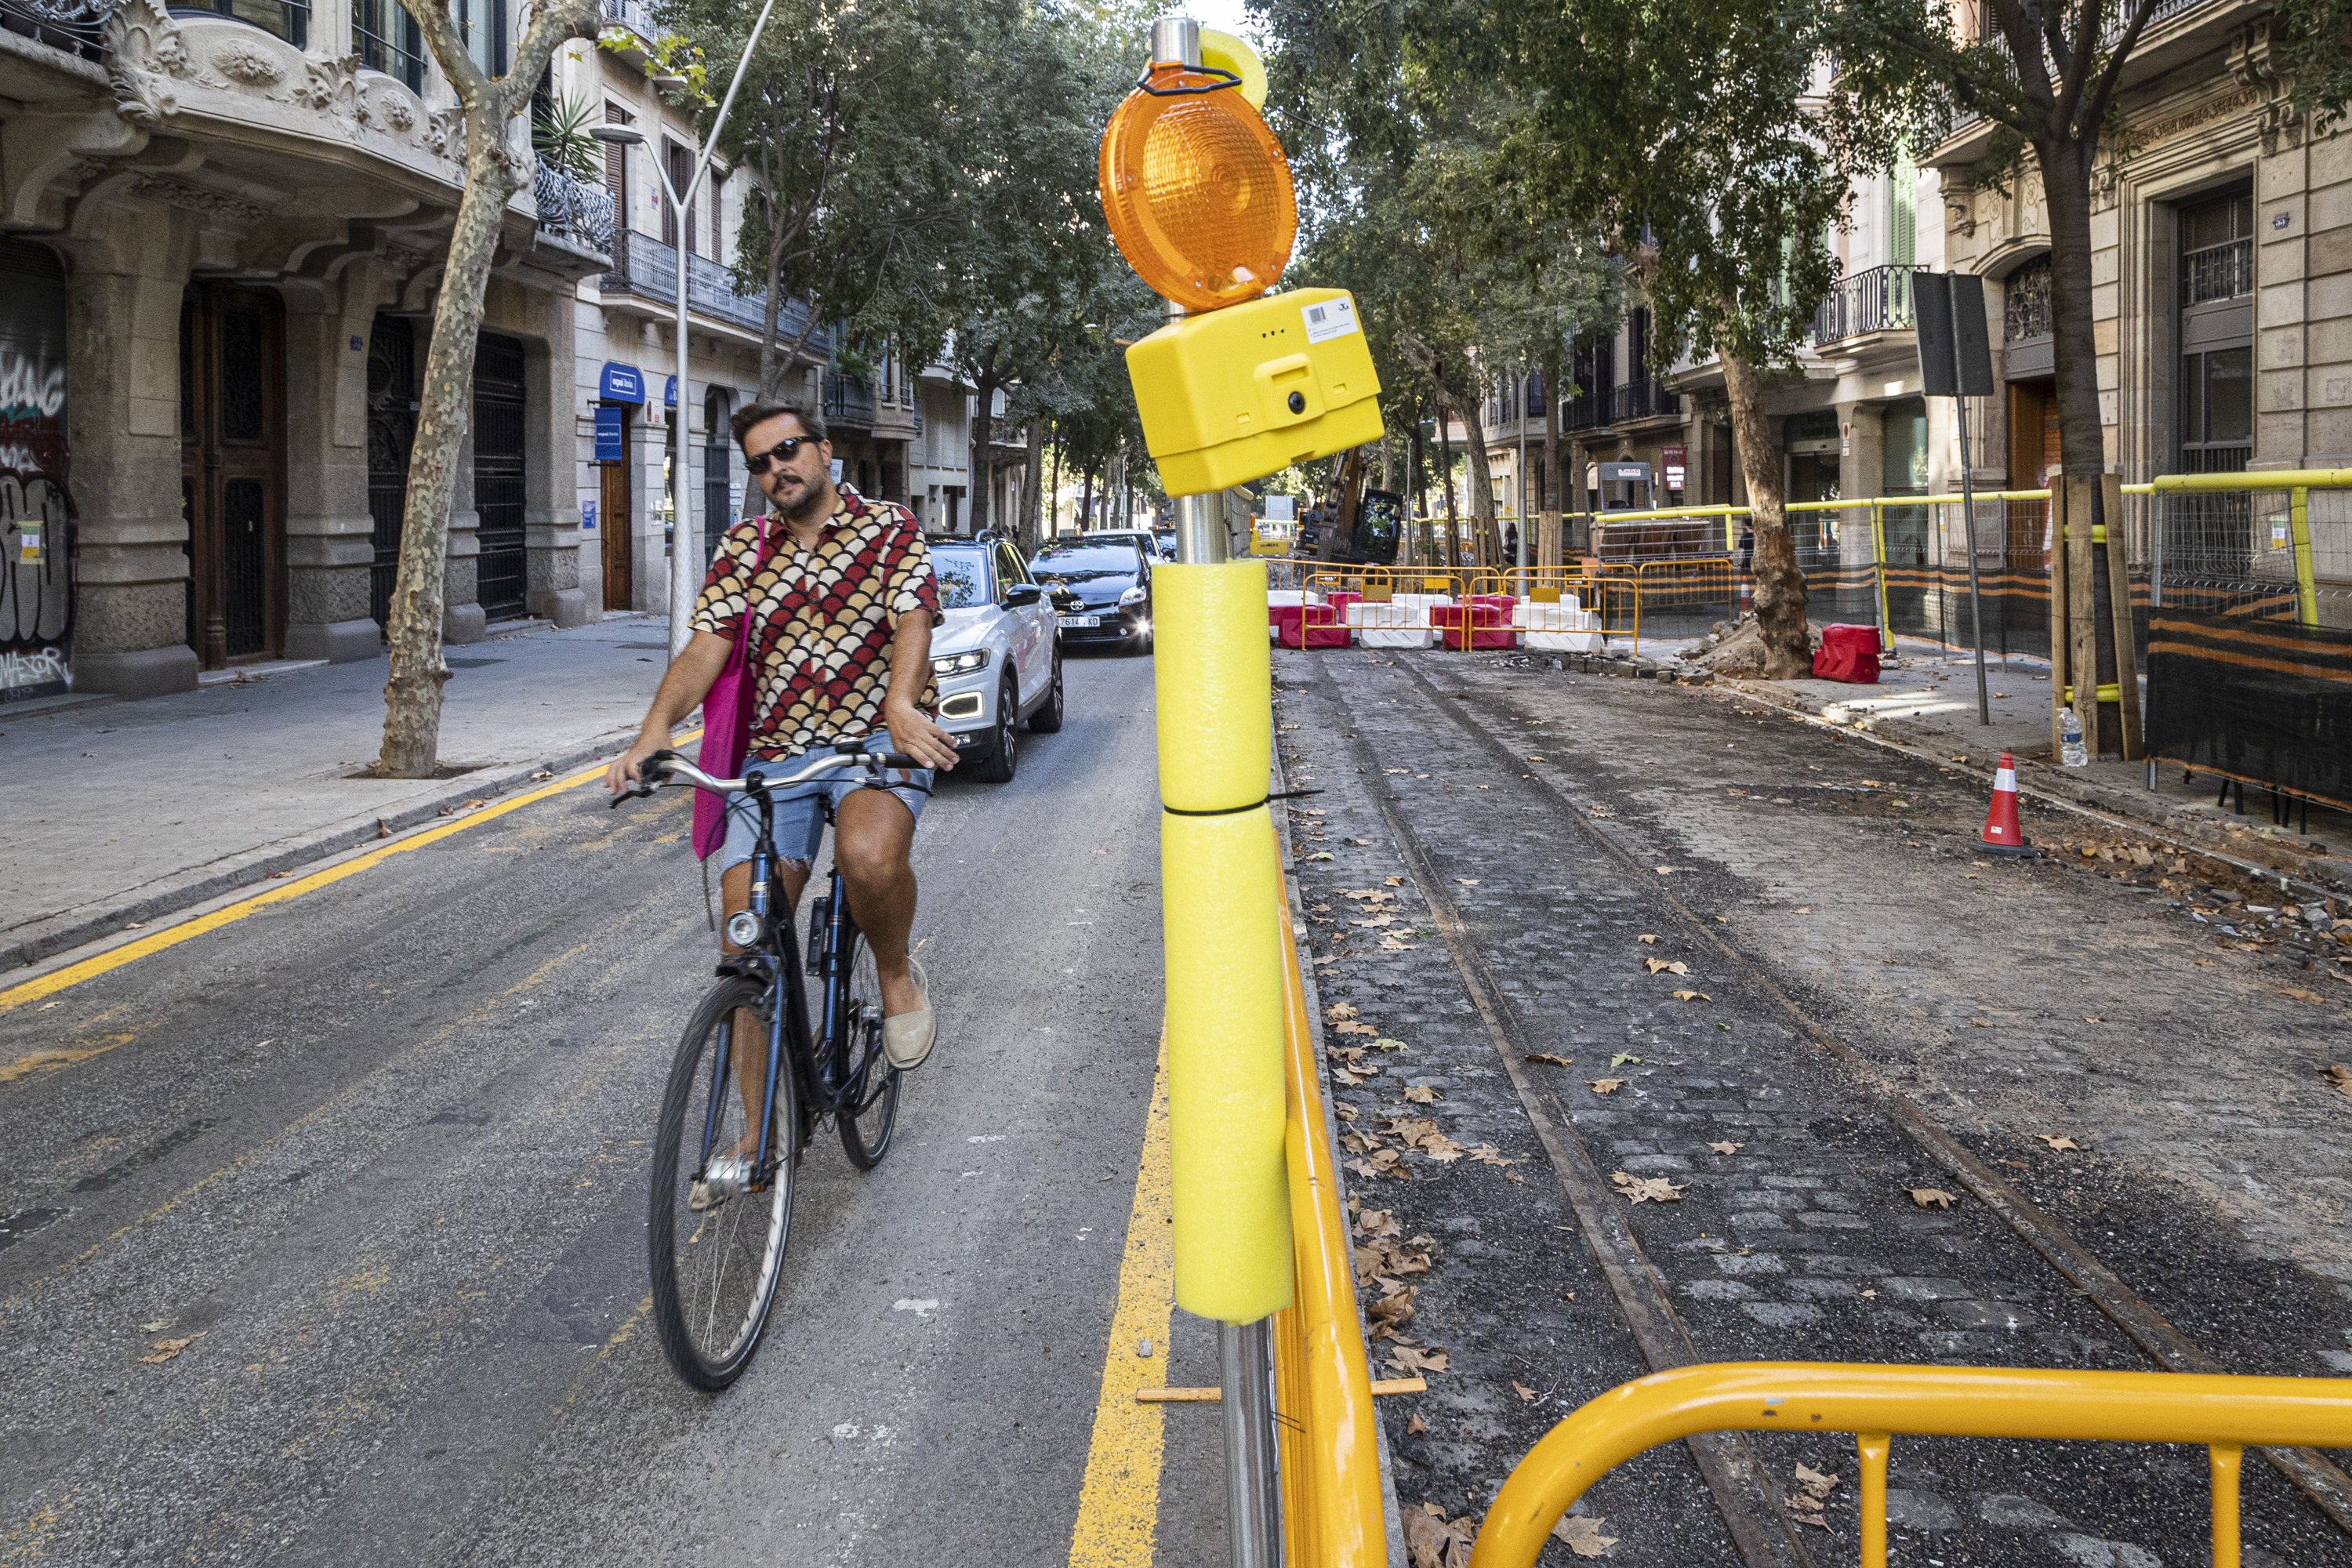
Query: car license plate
x: 1082, y: 620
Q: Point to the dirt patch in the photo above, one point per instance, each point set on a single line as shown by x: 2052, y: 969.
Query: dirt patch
x: 1736, y: 647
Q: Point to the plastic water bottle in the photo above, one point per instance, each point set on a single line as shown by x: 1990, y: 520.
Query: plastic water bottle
x: 2072, y: 752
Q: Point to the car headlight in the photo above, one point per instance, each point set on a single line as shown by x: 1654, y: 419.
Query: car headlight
x: 1132, y: 597
x: 961, y: 663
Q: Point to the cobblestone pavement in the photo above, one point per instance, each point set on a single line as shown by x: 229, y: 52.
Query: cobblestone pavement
x: 1856, y: 1015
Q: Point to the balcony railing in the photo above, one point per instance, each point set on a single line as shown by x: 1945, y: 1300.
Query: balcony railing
x: 75, y: 26
x: 633, y: 15
x: 643, y: 266
x: 848, y: 400
x: 1642, y: 398
x: 1586, y: 409
x: 1877, y: 301
x: 2225, y: 272
x: 575, y: 210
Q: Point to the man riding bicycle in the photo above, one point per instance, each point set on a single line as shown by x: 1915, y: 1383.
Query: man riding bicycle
x: 842, y: 601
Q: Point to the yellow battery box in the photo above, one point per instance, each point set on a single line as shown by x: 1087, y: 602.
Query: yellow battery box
x: 1235, y: 394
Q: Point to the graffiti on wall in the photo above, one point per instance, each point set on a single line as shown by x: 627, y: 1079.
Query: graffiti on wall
x: 36, y: 519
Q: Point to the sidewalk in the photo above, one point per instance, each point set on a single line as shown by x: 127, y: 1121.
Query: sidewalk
x: 1928, y: 699
x: 118, y: 811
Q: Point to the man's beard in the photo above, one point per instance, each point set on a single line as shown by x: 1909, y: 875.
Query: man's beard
x: 809, y: 505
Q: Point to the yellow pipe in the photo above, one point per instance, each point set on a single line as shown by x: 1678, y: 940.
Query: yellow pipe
x: 1878, y: 565
x: 2112, y: 691
x: 1941, y: 1401
x: 2306, y: 590
x: 1331, y: 1501
x: 2277, y: 480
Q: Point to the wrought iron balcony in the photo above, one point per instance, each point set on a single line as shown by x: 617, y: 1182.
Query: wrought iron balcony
x: 633, y: 15
x: 644, y: 266
x: 574, y: 210
x: 2223, y: 271
x: 76, y: 26
x: 848, y: 400
x: 1642, y: 398
x: 1585, y: 409
x: 1877, y: 301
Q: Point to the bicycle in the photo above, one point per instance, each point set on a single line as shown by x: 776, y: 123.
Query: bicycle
x: 726, y: 1185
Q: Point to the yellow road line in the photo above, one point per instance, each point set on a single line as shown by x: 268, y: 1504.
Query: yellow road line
x: 1119, y: 1506
x: 115, y: 958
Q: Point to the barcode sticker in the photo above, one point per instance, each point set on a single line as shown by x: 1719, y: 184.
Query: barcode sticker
x: 1331, y: 318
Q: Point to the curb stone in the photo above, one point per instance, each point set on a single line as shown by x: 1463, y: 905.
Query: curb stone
x: 257, y: 865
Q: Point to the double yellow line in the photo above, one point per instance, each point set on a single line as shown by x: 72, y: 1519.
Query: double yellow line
x: 114, y: 958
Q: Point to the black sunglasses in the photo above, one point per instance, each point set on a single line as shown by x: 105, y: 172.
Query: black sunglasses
x: 783, y: 451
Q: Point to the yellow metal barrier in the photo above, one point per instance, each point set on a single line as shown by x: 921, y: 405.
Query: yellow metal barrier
x: 2298, y: 483
x: 1331, y: 1506
x: 1876, y: 1403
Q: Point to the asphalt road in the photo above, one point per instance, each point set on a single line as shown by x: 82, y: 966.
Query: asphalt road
x: 377, y: 1154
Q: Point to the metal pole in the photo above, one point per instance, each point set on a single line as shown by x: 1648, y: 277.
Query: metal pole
x: 1975, y: 606
x: 1201, y: 539
x: 1521, y: 414
x: 685, y: 568
x: 1252, y: 1506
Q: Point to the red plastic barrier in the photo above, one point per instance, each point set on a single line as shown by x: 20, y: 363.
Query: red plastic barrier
x: 1479, y: 625
x: 1849, y: 654
x: 1308, y: 625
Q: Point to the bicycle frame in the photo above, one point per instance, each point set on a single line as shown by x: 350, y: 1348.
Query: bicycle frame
x: 828, y: 1081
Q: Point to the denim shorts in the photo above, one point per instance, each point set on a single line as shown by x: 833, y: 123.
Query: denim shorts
x: 800, y: 812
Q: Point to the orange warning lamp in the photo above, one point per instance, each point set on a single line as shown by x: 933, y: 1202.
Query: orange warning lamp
x: 1196, y: 189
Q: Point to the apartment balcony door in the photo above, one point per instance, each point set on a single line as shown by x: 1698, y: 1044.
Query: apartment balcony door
x: 500, y: 490
x: 233, y: 471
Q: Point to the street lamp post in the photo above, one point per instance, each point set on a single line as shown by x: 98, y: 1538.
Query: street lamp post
x: 685, y: 560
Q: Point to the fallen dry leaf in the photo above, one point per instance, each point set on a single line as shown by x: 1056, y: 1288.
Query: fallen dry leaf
x: 1581, y: 1532
x: 1817, y: 1485
x: 1693, y: 996
x: 1931, y: 1198
x: 1349, y: 1027
x: 1421, y: 1094
x: 2300, y: 992
x: 1607, y: 1085
x: 1392, y: 881
x: 1378, y: 1222
x: 1622, y: 1058
x: 2060, y: 1142
x: 1386, y: 1044
x: 1527, y: 1395
x: 1647, y: 1189
x: 1432, y: 1541
x: 1727, y: 1148
x: 1417, y: 1424
x: 1389, y: 943
x: 1408, y: 1359
x: 1468, y: 882
x: 1487, y: 1154
x: 2338, y: 1076
x: 1666, y: 967
x: 163, y: 1351
x: 1547, y: 1058
x: 1647, y: 938
x: 2090, y: 1018
x: 1340, y: 1012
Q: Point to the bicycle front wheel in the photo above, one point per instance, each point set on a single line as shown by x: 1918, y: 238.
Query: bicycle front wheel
x: 870, y: 1098
x: 716, y: 1224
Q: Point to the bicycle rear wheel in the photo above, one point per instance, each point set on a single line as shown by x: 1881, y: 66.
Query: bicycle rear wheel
x: 717, y: 1253
x: 869, y: 1108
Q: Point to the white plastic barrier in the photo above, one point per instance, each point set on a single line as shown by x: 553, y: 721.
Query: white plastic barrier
x: 1399, y: 622
x: 1564, y: 628
x: 1277, y: 597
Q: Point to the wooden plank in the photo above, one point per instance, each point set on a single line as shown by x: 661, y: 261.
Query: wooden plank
x: 2058, y: 596
x: 2082, y: 608
x: 2111, y: 495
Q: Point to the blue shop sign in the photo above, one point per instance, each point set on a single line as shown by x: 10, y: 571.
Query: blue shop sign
x: 669, y: 394
x: 621, y: 383
x: 609, y: 445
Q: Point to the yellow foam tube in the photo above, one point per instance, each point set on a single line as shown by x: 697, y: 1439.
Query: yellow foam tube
x: 1215, y: 685
x: 1221, y: 885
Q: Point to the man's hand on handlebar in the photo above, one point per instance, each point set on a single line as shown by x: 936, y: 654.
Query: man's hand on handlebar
x: 912, y: 732
x: 628, y: 768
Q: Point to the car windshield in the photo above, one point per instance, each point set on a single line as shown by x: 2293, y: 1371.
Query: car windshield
x: 1077, y: 563
x: 963, y: 571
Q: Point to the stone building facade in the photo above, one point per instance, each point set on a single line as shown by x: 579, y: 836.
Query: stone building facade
x: 239, y: 218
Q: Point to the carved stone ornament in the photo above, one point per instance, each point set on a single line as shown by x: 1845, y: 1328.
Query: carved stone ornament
x: 445, y: 132
x: 188, y: 197
x: 144, y: 50
x: 248, y: 63
x: 330, y: 86
x: 396, y: 113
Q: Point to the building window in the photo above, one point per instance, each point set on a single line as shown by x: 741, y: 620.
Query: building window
x: 2216, y: 372
x: 287, y: 19
x: 385, y: 38
x: 2025, y: 302
x: 483, y: 24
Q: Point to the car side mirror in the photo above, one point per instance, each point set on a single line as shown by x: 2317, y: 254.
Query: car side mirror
x: 1017, y: 594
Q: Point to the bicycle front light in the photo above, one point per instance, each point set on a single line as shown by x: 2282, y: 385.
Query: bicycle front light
x: 961, y: 663
x: 743, y: 927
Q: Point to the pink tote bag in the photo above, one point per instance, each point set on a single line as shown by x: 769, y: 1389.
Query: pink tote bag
x: 727, y: 723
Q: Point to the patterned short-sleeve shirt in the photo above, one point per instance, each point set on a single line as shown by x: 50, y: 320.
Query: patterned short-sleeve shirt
x: 822, y: 619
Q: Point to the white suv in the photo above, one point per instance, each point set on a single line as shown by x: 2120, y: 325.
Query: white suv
x: 996, y: 652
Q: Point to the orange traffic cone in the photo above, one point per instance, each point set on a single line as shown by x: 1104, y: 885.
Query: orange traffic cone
x: 2001, y: 834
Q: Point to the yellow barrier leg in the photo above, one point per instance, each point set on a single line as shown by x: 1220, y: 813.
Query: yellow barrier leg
x: 1874, y: 1447
x: 1221, y: 884
x: 2225, y: 1460
x: 2306, y: 587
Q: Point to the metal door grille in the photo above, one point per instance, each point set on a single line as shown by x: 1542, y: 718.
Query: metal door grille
x: 392, y: 432
x: 243, y: 517
x: 498, y: 480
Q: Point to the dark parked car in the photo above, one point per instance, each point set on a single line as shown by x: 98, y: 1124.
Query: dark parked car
x: 1100, y: 589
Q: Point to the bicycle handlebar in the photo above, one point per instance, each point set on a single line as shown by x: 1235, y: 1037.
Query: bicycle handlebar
x: 665, y: 767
